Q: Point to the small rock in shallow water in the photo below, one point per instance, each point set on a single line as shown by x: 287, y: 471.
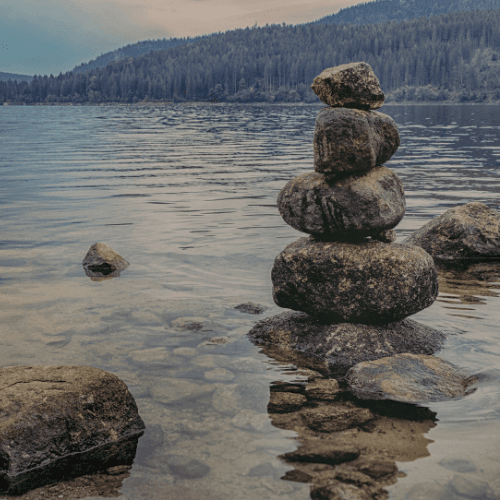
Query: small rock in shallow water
x: 471, y: 487
x: 457, y: 465
x: 101, y: 261
x: 285, y: 402
x: 326, y: 389
x: 352, y: 85
x: 408, y: 378
x: 335, y: 417
x: 219, y: 375
x: 251, y: 308
x: 470, y: 231
x: 186, y: 467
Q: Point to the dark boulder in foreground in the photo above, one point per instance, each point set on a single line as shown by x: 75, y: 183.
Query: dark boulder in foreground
x: 345, y: 344
x: 365, y: 282
x: 63, y: 421
x: 470, y: 231
x: 102, y: 261
x: 362, y: 205
x: 408, y: 378
x: 347, y: 141
x: 351, y: 85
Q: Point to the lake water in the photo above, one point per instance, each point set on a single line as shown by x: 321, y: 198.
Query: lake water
x: 187, y: 194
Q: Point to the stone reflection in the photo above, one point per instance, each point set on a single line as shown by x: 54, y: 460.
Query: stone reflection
x: 346, y: 448
x: 468, y: 282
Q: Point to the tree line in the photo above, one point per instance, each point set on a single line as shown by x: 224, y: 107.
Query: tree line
x: 454, y: 55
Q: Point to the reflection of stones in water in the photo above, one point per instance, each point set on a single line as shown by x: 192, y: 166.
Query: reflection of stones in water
x: 106, y: 483
x: 346, y: 447
x: 467, y: 282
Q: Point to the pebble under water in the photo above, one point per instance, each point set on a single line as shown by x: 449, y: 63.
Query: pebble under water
x: 187, y: 194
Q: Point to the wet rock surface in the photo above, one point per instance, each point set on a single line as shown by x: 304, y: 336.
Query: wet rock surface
x: 60, y: 421
x: 363, y: 205
x: 408, y: 378
x: 470, y: 231
x: 251, y: 308
x: 345, y: 343
x: 102, y: 262
x: 351, y: 85
x: 349, y: 141
x: 369, y: 282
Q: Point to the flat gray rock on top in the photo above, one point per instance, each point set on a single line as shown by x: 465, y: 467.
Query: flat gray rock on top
x: 351, y: 85
x: 63, y: 418
x: 409, y: 378
x: 349, y: 141
x: 345, y: 344
x: 462, y: 232
x: 362, y: 205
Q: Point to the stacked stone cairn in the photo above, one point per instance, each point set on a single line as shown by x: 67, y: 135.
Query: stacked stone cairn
x: 349, y: 273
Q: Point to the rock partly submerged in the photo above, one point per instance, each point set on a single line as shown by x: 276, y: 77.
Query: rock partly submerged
x: 470, y: 231
x: 359, y: 205
x: 345, y: 344
x: 102, y: 261
x: 351, y: 85
x: 63, y: 421
x: 367, y: 282
x: 408, y: 378
x: 347, y: 141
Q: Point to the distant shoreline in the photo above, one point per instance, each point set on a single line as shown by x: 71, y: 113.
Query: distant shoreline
x: 208, y: 103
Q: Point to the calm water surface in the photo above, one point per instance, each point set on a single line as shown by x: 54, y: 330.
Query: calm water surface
x: 186, y: 193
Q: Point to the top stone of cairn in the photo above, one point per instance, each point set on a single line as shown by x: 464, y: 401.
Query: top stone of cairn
x: 351, y: 85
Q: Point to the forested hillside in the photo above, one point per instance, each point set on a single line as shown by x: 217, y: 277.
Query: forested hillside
x: 381, y: 11
x: 135, y: 50
x: 377, y: 11
x: 449, y: 56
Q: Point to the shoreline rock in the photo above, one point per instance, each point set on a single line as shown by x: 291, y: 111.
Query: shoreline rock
x: 63, y: 421
x: 470, y: 231
x: 103, y: 262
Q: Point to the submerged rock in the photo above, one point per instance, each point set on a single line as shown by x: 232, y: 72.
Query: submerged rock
x: 345, y: 343
x: 251, y: 308
x: 408, y: 378
x: 102, y: 261
x: 351, y: 85
x: 348, y: 141
x: 366, y: 282
x: 63, y: 421
x: 362, y: 205
x: 470, y: 231
x: 335, y: 417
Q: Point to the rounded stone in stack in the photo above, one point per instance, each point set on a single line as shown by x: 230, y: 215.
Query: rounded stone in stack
x: 347, y: 141
x: 351, y: 85
x: 365, y: 205
x: 366, y: 282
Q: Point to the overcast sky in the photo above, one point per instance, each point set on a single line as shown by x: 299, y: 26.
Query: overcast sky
x: 53, y: 36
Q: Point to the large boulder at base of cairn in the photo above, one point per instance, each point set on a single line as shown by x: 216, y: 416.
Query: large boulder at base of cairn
x: 408, y: 378
x: 364, y: 282
x: 470, y: 231
x: 63, y: 421
x: 362, y: 205
x: 102, y: 261
x: 351, y: 85
x: 345, y: 344
x: 347, y: 141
